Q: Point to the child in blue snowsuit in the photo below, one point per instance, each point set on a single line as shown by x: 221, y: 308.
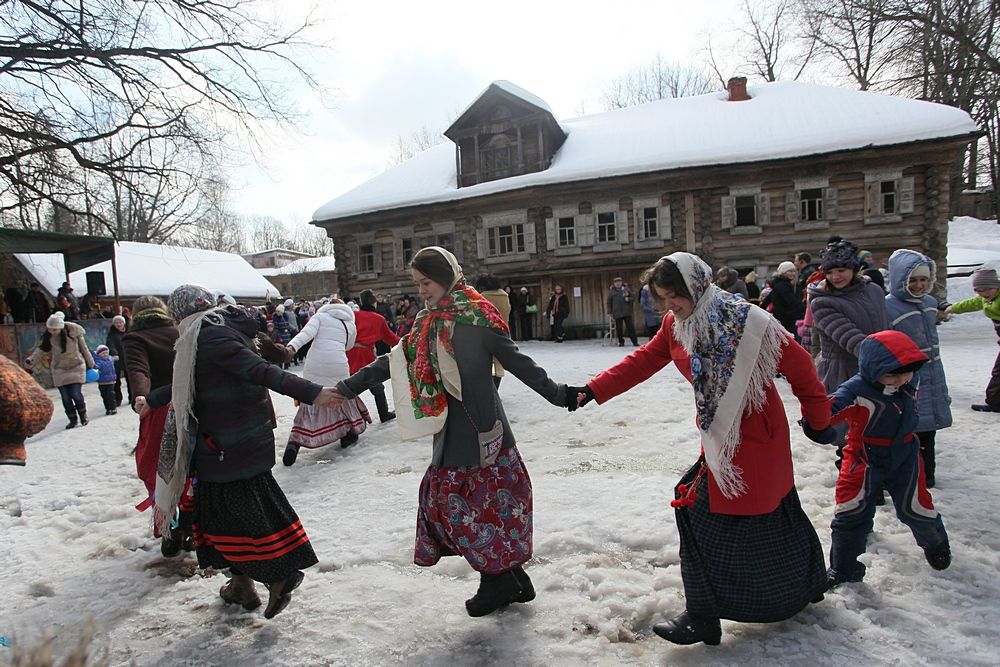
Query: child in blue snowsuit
x: 879, y: 406
x: 104, y: 362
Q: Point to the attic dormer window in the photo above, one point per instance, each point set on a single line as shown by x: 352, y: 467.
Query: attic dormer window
x: 498, y: 157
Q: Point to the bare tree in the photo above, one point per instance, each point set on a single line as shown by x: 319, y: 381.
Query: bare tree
x: 770, y: 41
x: 153, y: 74
x: 856, y: 35
x: 311, y: 239
x: 219, y: 228
x: 265, y: 233
x: 656, y: 80
x: 417, y: 142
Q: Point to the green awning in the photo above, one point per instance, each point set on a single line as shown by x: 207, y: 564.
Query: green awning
x: 78, y: 251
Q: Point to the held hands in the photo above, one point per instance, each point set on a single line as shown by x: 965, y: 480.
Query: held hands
x: 141, y: 406
x: 329, y: 397
x: 824, y: 437
x: 577, y: 397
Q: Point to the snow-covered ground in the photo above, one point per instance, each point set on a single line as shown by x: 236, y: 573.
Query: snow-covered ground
x: 75, y: 553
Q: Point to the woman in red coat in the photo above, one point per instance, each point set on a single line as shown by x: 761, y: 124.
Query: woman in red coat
x: 748, y: 551
x: 372, y: 328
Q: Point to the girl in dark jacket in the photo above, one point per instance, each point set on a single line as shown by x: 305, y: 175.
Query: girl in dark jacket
x: 222, y: 421
x: 786, y: 307
x: 557, y: 311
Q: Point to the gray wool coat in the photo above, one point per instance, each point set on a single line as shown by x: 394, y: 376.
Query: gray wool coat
x: 457, y: 444
x: 842, y: 319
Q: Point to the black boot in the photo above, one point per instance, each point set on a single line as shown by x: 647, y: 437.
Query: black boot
x: 291, y: 453
x: 83, y: 418
x: 72, y: 422
x: 939, y: 557
x: 499, y: 590
x: 170, y: 544
x: 387, y: 417
x: 348, y: 440
x: 690, y: 629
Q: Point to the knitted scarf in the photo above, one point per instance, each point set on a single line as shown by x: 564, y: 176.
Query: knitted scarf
x: 430, y: 356
x: 735, y: 348
x: 177, y: 445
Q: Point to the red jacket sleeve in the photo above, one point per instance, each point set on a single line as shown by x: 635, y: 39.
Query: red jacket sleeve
x: 797, y: 367
x: 636, y: 367
x: 386, y: 335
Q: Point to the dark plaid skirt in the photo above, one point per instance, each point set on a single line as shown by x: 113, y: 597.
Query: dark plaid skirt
x: 248, y: 525
x: 757, y: 569
x: 482, y: 514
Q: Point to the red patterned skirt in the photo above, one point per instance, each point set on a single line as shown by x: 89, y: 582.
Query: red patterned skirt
x: 316, y: 426
x: 481, y: 514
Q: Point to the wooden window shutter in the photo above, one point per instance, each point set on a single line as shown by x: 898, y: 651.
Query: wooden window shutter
x: 621, y: 223
x: 763, y: 208
x: 830, y: 206
x: 906, y: 195
x: 665, y: 229
x: 481, y: 246
x: 530, y: 242
x: 397, y: 255
x: 377, y: 251
x: 728, y: 212
x: 585, y: 231
x: 873, y: 206
x: 792, y: 202
x: 551, y: 234
x: 638, y: 215
x: 458, y: 241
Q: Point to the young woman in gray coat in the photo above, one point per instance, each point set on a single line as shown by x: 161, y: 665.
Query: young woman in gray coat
x: 69, y: 359
x: 846, y: 308
x: 913, y: 310
x: 475, y: 498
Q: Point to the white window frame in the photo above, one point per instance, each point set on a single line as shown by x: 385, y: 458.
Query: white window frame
x: 761, y: 209
x: 663, y: 222
x: 620, y: 226
x: 522, y: 237
x: 875, y: 212
x: 829, y: 204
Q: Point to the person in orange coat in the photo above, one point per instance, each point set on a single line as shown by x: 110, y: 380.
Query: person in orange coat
x: 372, y: 328
x: 748, y: 552
x: 25, y: 409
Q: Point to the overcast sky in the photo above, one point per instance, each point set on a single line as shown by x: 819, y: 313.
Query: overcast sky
x: 396, y: 67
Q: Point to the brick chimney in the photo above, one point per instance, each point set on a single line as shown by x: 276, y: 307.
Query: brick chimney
x: 737, y: 87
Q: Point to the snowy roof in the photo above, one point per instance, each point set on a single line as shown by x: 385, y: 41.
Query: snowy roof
x: 145, y: 268
x: 782, y: 120
x: 510, y: 89
x: 306, y: 265
x: 284, y: 250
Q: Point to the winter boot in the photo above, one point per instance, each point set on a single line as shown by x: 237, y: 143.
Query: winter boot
x: 72, y: 422
x: 690, y: 629
x: 170, y: 545
x: 83, y: 418
x: 348, y: 440
x: 237, y: 591
x: 281, y: 594
x: 835, y: 577
x: 387, y: 417
x: 985, y: 408
x: 527, y: 593
x: 291, y: 453
x: 497, y: 590
x: 939, y: 557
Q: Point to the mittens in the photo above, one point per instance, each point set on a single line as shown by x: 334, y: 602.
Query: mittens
x: 572, y: 394
x: 823, y: 437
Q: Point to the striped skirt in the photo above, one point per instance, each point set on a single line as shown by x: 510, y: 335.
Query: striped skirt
x: 248, y: 525
x: 481, y: 514
x: 316, y: 426
x: 757, y: 569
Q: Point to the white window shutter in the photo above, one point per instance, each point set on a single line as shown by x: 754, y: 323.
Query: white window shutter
x: 481, y: 246
x: 357, y: 258
x: 621, y: 221
x: 763, y: 208
x: 551, y: 234
x: 377, y: 250
x: 585, y: 229
x: 792, y: 208
x: 530, y: 242
x: 906, y: 195
x: 873, y: 206
x: 728, y: 212
x: 665, y: 228
x: 830, y: 206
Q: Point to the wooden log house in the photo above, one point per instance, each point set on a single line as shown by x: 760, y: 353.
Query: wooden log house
x: 744, y: 178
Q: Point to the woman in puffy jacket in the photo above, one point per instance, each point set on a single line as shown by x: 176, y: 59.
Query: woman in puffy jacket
x: 846, y: 308
x: 913, y: 310
x: 69, y: 359
x: 332, y: 332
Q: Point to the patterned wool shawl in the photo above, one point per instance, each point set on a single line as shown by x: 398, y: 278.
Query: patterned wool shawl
x: 430, y: 355
x: 735, y: 348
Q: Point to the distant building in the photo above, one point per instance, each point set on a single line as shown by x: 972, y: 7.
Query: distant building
x: 309, y: 278
x: 275, y: 258
x: 746, y: 178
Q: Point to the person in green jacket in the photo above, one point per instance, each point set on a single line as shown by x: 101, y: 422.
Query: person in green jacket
x: 986, y: 285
